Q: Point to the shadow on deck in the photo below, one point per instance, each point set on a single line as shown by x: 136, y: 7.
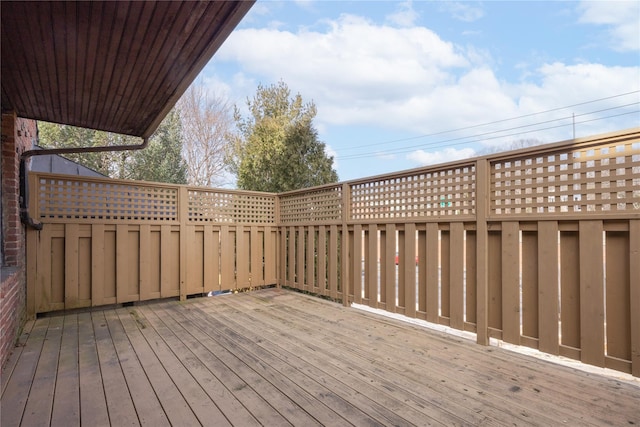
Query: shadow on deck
x: 276, y: 357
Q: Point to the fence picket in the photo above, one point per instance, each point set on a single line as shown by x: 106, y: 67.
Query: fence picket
x: 548, y: 251
x: 433, y: 268
x: 333, y: 261
x: 71, y: 266
x: 591, y: 293
x: 529, y: 287
x: 456, y: 303
x: 146, y: 263
x: 372, y: 265
x: 409, y: 267
x: 634, y: 294
x: 471, y: 280
x: 510, y: 282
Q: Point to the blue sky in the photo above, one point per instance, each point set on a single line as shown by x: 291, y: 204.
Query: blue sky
x: 399, y: 85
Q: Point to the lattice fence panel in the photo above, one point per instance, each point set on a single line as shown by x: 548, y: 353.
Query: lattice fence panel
x: 323, y: 205
x: 603, y: 179
x: 71, y: 198
x: 230, y: 207
x: 448, y: 192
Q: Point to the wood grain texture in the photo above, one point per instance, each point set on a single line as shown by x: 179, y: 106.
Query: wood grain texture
x: 277, y: 357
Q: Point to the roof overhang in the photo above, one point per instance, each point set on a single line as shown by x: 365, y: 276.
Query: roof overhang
x: 117, y: 66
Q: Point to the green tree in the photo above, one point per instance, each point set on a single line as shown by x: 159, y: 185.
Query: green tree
x: 277, y: 148
x: 51, y: 135
x: 161, y: 161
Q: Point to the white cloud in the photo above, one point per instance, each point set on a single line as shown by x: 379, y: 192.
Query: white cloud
x: 257, y: 11
x: 471, y: 33
x: 424, y: 158
x: 385, y: 156
x: 581, y: 78
x: 354, y: 70
x: 332, y: 153
x: 404, y: 16
x: 215, y: 86
x: 621, y: 19
x: 409, y: 79
x: 463, y: 11
x: 563, y: 85
x: 305, y: 4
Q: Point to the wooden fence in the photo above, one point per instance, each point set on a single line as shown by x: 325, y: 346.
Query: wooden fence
x: 538, y: 247
x: 107, y: 241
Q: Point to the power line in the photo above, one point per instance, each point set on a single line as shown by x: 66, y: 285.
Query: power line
x: 487, y: 123
x: 499, y: 131
x: 448, y: 143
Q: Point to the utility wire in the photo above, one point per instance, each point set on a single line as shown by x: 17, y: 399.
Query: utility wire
x: 573, y: 116
x: 493, y: 122
x: 449, y: 142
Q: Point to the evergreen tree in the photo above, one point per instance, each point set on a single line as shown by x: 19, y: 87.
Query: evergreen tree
x: 161, y: 161
x: 51, y: 135
x: 277, y: 148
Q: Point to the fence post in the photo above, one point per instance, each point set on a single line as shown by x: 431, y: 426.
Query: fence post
x: 634, y: 276
x: 344, y: 242
x: 482, y: 209
x: 279, y: 257
x: 32, y: 248
x: 183, y: 218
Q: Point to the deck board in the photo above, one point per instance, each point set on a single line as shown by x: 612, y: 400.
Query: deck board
x: 174, y: 404
x: 93, y: 404
x: 66, y: 402
x: 40, y: 401
x: 230, y: 376
x: 347, y: 359
x: 167, y: 351
x: 305, y: 390
x: 393, y: 357
x: 119, y: 401
x: 14, y: 355
x: 18, y: 382
x: 330, y: 362
x: 146, y: 403
x: 275, y: 357
x: 256, y: 377
x: 212, y: 386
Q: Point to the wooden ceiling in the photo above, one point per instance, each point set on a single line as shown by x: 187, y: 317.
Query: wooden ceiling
x: 118, y: 66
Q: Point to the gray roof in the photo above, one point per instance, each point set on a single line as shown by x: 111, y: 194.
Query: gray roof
x: 53, y: 163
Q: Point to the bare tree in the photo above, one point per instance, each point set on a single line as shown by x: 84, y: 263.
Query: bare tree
x: 206, y: 121
x: 513, y: 145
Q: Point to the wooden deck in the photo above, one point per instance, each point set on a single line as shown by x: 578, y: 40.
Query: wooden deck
x: 275, y: 357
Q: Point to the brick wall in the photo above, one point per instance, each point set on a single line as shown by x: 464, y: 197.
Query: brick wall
x: 12, y: 312
x: 18, y: 135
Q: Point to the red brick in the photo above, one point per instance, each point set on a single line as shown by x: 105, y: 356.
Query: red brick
x: 13, y: 288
